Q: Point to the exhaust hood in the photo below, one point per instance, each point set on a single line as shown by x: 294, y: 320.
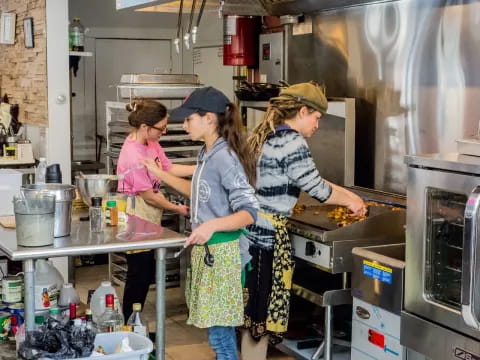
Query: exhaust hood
x: 291, y: 7
x: 247, y: 7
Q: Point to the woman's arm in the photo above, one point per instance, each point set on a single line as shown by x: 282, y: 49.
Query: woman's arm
x: 302, y: 170
x: 181, y: 185
x: 158, y: 200
x: 344, y: 197
x: 232, y: 222
x: 182, y: 170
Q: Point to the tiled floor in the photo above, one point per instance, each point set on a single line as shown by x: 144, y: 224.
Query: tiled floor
x: 182, y: 340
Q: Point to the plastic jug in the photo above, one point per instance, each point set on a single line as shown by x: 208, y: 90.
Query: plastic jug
x: 58, y: 276
x: 46, y: 285
x: 68, y: 295
x: 97, y: 303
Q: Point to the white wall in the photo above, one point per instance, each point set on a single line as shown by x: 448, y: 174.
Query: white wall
x: 103, y: 21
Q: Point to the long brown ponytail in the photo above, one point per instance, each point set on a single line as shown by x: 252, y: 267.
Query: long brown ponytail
x: 229, y: 127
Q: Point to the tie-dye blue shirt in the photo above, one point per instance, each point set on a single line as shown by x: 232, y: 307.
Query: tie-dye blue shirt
x: 285, y: 167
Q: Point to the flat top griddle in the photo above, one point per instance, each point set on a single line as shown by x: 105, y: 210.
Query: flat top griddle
x: 316, y: 213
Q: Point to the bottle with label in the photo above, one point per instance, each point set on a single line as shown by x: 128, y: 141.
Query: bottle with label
x: 46, y: 287
x: 77, y: 35
x: 111, y: 213
x: 111, y: 320
x: 89, y: 320
x: 135, y: 320
x: 40, y: 171
x: 72, y: 314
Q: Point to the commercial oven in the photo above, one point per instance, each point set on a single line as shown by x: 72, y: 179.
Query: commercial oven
x: 442, y: 295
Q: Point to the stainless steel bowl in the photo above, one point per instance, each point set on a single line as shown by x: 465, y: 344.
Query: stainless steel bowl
x: 95, y: 186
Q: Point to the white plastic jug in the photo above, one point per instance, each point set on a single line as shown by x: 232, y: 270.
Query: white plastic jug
x: 97, y: 302
x: 58, y: 276
x: 46, y: 285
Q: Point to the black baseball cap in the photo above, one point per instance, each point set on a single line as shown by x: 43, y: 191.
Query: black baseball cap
x: 207, y: 99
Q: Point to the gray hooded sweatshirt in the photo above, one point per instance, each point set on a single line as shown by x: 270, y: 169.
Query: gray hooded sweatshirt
x: 220, y: 188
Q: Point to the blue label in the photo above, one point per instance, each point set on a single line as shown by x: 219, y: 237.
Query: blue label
x: 377, y: 274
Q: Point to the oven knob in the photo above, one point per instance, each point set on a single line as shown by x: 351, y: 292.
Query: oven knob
x: 310, y: 248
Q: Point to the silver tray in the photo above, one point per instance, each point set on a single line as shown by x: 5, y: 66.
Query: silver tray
x: 176, y: 79
x: 156, y: 91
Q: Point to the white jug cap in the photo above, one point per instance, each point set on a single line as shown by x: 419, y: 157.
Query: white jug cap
x: 106, y: 283
x: 43, y: 159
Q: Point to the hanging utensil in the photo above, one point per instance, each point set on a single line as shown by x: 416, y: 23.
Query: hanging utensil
x: 179, y: 28
x: 186, y: 37
x: 220, y: 9
x: 195, y: 28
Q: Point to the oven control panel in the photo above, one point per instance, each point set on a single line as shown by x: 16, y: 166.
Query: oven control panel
x: 311, y: 251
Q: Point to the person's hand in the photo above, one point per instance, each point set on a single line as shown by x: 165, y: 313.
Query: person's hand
x: 200, y: 235
x: 357, y: 206
x: 182, y: 210
x: 150, y: 164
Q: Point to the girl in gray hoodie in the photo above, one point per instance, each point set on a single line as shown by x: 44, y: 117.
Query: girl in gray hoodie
x: 222, y: 204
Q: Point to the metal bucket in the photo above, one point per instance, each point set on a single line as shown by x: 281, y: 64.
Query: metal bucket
x: 64, y: 194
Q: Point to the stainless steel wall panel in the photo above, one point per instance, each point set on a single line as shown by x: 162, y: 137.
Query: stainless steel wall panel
x: 414, y: 64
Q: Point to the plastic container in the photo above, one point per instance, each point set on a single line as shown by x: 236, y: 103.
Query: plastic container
x: 46, y: 287
x: 97, y: 302
x: 68, y: 295
x: 76, y: 35
x: 34, y: 219
x: 141, y: 345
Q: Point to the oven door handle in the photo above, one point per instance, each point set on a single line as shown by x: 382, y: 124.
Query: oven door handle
x: 469, y: 262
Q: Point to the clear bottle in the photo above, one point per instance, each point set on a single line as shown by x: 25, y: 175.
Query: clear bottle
x: 111, y: 320
x: 95, y: 215
x: 41, y: 171
x: 135, y: 320
x: 76, y: 35
x: 111, y: 213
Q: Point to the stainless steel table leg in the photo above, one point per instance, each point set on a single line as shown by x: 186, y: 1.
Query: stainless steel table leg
x: 29, y: 279
x: 160, y: 295
x: 328, y: 333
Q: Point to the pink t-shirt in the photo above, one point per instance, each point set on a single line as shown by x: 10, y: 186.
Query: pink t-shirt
x: 131, y: 155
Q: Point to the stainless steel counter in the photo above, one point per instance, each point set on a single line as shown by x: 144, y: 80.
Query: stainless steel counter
x: 83, y: 242
x: 137, y: 234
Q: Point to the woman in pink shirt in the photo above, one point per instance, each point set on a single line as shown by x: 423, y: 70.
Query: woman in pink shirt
x: 148, y: 119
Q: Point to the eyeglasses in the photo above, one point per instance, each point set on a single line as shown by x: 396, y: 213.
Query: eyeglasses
x: 161, y: 129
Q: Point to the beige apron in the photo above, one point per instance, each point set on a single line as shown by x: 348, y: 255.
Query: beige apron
x: 138, y: 207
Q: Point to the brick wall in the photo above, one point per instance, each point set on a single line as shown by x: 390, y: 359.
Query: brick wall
x: 23, y: 72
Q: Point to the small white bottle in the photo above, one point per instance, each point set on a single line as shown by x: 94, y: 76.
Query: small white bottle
x: 41, y: 171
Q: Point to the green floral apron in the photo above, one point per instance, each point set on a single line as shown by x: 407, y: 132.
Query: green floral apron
x: 214, y: 293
